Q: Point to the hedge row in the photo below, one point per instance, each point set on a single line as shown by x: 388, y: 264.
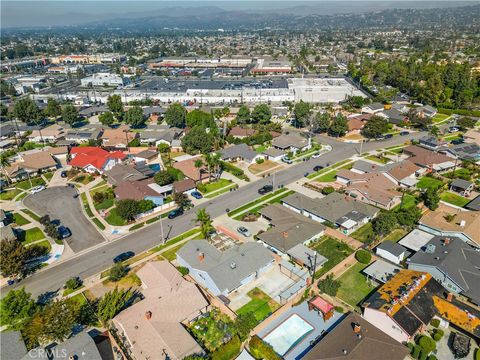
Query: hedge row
x: 459, y: 112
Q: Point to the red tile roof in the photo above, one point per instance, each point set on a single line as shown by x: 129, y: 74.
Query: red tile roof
x: 91, y: 155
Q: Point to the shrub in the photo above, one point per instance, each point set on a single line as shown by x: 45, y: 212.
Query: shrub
x: 73, y: 283
x: 183, y: 270
x: 437, y: 336
x: 261, y: 350
x: 423, y: 355
x: 410, y: 346
x: 260, y: 160
x: 117, y: 272
x: 229, y: 350
x: 363, y: 256
x: 435, y: 323
x: 328, y: 190
x: 244, y: 323
x: 427, y: 343
x: 44, y: 220
x: 416, y: 351
x: 432, y: 357
x: 339, y: 309
x: 329, y: 285
x: 99, y: 197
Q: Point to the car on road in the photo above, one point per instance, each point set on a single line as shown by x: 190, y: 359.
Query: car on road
x: 265, y: 189
x: 37, y: 189
x: 244, y: 231
x: 404, y: 133
x: 453, y: 129
x: 64, y: 232
x: 287, y: 160
x: 306, y: 174
x: 63, y: 174
x: 196, y: 194
x: 123, y: 256
x: 457, y: 141
x: 317, y: 168
x: 175, y: 213
x: 316, y: 155
x: 388, y: 136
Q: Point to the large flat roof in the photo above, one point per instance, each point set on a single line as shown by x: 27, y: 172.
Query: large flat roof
x: 416, y: 239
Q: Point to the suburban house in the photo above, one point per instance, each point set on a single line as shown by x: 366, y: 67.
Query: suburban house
x: 464, y: 224
x: 188, y: 168
x: 49, y: 134
x: 80, y: 136
x: 184, y: 186
x: 159, y: 135
x: 345, y: 212
x: 152, y: 328
x: 391, y: 251
x: 289, y: 229
x: 431, y: 143
x: 143, y: 155
x: 373, y: 188
x: 241, y: 133
x: 355, y: 125
x: 36, y: 161
x: 463, y: 187
x: 154, y: 113
x: 94, y: 159
x: 222, y: 272
x: 453, y: 263
x: 7, y: 233
x: 373, y: 108
x: 118, y: 138
x: 403, y: 173
x: 274, y: 154
x: 292, y: 142
x: 145, y: 189
x: 407, y: 303
x: 90, y: 111
x: 472, y: 136
x: 126, y: 172
x: 416, y: 240
x: 474, y: 205
x: 354, y: 338
x: 428, y: 159
x: 395, y: 116
x: 240, y: 152
x: 466, y: 151
x: 426, y: 111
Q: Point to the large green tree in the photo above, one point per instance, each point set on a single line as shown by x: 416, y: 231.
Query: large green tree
x: 321, y: 122
x: 112, y: 303
x: 26, y: 110
x: 384, y: 223
x: 127, y: 209
x: 302, y: 112
x: 243, y: 115
x: 375, y: 127
x: 163, y: 178
x: 134, y: 117
x: 70, y: 114
x: 14, y: 256
x: 199, y: 118
x: 198, y: 140
x: 339, y: 126
x: 16, y: 308
x: 176, y: 115
x: 261, y: 114
x: 106, y: 118
x: 114, y: 104
x: 204, y: 220
x: 431, y: 199
x: 53, y: 108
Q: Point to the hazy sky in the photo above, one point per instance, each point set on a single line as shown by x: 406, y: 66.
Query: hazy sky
x: 27, y: 13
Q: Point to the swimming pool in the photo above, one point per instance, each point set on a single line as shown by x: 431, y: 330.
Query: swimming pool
x: 154, y: 167
x: 288, y: 334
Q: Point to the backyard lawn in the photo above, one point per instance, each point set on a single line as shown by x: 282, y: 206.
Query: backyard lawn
x: 460, y: 173
x: 429, y: 183
x: 9, y: 194
x: 114, y: 219
x: 261, y: 305
x: 354, y: 286
x: 409, y: 201
x: 19, y: 219
x: 364, y: 233
x: 27, y: 184
x: 334, y: 250
x: 213, y: 186
x: 454, y: 199
x: 260, y: 148
x: 395, y: 235
x: 212, y: 330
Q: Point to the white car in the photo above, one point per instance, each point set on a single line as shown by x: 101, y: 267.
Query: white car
x: 244, y: 231
x: 37, y: 189
x: 316, y: 155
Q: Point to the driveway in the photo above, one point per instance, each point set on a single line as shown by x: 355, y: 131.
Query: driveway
x: 58, y: 202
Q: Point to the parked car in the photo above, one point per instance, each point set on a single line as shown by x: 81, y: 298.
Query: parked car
x: 457, y: 141
x: 403, y: 133
x: 317, y: 168
x: 64, y: 232
x: 388, y: 136
x: 37, y: 189
x: 123, y: 256
x: 306, y: 174
x: 287, y: 160
x: 265, y: 189
x: 63, y: 174
x: 244, y: 231
x: 196, y: 194
x: 316, y: 155
x: 453, y: 129
x: 175, y: 213
x: 71, y: 186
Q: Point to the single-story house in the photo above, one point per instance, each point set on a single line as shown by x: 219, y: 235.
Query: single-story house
x: 36, y: 161
x: 472, y: 136
x: 241, y: 133
x: 381, y: 271
x: 7, y: 233
x: 395, y: 116
x: 153, y: 327
x: 187, y: 167
x: 463, y: 187
x: 159, y: 136
x: 474, y: 205
x: 453, y: 263
x: 240, y: 152
x: 373, y: 108
x: 222, y: 272
x: 288, y: 229
x: 80, y: 136
x: 49, y: 134
x: 118, y: 138
x: 184, y: 186
x: 426, y: 111
x: 391, y: 251
x: 274, y: 154
x: 403, y: 173
x: 94, y: 159
x: 93, y: 110
x: 292, y: 142
x: 123, y: 172
x: 343, y: 211
x: 466, y: 151
x: 416, y: 239
x: 431, y: 142
x: 145, y: 189
x: 428, y: 159
x: 145, y: 156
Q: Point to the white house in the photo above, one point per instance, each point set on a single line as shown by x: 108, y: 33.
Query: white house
x: 391, y: 251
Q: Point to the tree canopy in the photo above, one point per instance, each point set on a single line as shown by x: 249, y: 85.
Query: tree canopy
x: 199, y: 118
x: 302, y: 113
x: 375, y: 127
x: 114, y: 104
x: 70, y: 114
x: 53, y: 108
x: 243, y: 114
x: 176, y: 115
x: 106, y: 118
x: 26, y: 110
x: 16, y: 308
x: 134, y: 117
x: 198, y: 140
x: 339, y: 126
x: 261, y: 114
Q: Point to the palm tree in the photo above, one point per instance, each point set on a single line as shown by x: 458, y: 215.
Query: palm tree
x: 205, y: 222
x: 209, y: 162
x: 4, y: 163
x: 198, y: 164
x: 216, y: 162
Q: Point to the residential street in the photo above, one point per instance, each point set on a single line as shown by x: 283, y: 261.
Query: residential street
x: 98, y: 258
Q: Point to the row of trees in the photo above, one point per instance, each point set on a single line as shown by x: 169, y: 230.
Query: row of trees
x: 27, y: 110
x: 336, y: 126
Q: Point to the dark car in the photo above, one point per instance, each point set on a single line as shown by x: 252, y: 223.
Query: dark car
x: 64, y: 232
x: 306, y: 174
x: 457, y: 141
x: 318, y: 168
x: 196, y: 194
x: 174, y: 213
x: 123, y: 256
x: 63, y: 174
x: 71, y: 186
x: 265, y: 189
x: 388, y: 136
x: 404, y: 133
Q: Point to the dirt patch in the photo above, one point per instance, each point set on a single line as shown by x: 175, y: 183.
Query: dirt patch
x: 263, y: 167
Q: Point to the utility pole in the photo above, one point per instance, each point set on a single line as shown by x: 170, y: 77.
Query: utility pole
x: 161, y: 229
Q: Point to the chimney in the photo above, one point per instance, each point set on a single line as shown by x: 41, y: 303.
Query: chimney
x: 357, y: 328
x: 344, y: 351
x: 450, y: 297
x: 201, y: 256
x: 148, y: 315
x: 446, y: 241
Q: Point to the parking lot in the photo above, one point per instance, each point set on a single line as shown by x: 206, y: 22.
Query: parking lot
x: 59, y: 203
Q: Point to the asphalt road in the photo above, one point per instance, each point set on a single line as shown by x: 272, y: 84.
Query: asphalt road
x: 92, y: 262
x: 59, y: 203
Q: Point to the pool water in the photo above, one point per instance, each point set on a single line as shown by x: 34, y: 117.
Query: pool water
x: 154, y: 167
x: 288, y: 334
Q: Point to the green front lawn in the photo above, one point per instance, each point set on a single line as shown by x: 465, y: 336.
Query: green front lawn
x: 429, y: 183
x: 31, y: 235
x: 213, y: 186
x: 48, y: 176
x: 364, y: 233
x: 31, y: 214
x: 329, y: 177
x: 44, y: 243
x: 84, y: 179
x: 454, y: 199
x: 378, y: 159
x: 25, y: 184
x: 108, y: 203
x: 257, y: 201
x: 261, y: 305
x: 9, y: 194
x: 439, y: 118
x: 19, y: 219
x: 334, y: 250
x: 354, y: 285
x: 114, y: 219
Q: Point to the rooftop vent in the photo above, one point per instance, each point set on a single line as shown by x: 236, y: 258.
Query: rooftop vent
x: 463, y: 223
x: 148, y: 315
x: 233, y: 265
x: 344, y: 351
x: 430, y: 249
x: 437, y: 258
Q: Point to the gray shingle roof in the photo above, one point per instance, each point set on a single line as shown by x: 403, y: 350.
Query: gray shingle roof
x: 457, y: 259
x: 226, y: 268
x: 238, y: 151
x: 392, y: 247
x: 12, y: 346
x: 462, y: 184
